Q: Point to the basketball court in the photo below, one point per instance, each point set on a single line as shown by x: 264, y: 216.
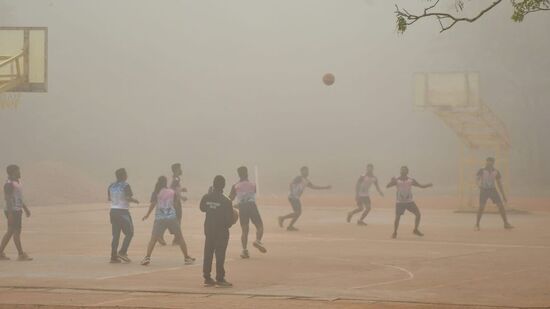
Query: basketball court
x: 328, y: 263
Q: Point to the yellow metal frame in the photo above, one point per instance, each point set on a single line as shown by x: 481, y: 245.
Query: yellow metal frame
x: 18, y: 77
x: 479, y: 129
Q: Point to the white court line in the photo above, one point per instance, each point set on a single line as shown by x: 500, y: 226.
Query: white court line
x: 113, y: 301
x: 410, y: 276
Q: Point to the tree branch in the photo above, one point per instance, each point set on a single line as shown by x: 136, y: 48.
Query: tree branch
x: 446, y: 20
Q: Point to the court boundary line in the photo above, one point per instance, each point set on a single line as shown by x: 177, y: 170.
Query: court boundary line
x: 410, y: 276
x: 48, y: 289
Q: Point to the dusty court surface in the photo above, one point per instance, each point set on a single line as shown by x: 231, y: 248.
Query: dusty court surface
x: 329, y: 263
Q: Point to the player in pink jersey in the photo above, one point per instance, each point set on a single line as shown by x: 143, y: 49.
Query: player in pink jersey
x: 404, y: 199
x: 245, y: 193
x: 362, y: 194
x: 488, y: 178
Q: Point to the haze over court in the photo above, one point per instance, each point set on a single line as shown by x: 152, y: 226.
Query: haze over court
x: 219, y: 84
x: 243, y: 79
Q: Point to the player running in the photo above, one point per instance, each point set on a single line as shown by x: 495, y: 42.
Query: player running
x: 245, y: 192
x: 488, y: 178
x: 179, y: 199
x: 120, y: 195
x: 15, y: 206
x: 404, y: 198
x: 164, y: 198
x: 362, y: 194
x: 297, y: 187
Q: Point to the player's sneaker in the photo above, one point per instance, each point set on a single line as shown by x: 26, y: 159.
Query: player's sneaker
x: 258, y: 245
x: 124, y: 258
x: 23, y: 257
x: 208, y: 283
x: 394, y: 235
x: 417, y: 233
x: 245, y: 255
x: 361, y: 223
x: 223, y: 284
x: 291, y: 229
x: 3, y: 257
x: 281, y: 221
x: 146, y: 261
x: 115, y: 260
x: 348, y: 219
x: 508, y: 226
x: 189, y: 260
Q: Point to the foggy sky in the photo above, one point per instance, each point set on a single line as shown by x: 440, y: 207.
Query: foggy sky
x: 218, y: 84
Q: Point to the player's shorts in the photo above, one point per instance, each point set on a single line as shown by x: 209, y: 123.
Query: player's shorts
x: 401, y: 207
x: 162, y: 225
x: 296, y: 205
x: 485, y: 194
x: 249, y: 212
x: 16, y: 222
x: 363, y: 201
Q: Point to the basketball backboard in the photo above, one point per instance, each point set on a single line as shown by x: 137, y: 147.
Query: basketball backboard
x: 23, y: 59
x: 446, y: 90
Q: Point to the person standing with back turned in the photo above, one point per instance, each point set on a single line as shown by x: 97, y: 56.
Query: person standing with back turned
x: 245, y: 193
x: 219, y: 218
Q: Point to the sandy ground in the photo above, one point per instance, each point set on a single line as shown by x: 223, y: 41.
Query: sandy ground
x: 328, y: 264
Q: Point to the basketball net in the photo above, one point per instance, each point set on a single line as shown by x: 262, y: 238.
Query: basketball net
x: 9, y: 100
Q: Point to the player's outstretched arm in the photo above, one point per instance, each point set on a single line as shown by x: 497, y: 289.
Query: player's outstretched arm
x: 378, y: 188
x: 392, y: 183
x: 316, y: 187
x: 416, y: 184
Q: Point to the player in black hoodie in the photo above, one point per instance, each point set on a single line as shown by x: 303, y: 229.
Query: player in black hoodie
x: 219, y: 218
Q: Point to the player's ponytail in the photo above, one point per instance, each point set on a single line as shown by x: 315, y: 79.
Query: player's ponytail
x: 162, y: 183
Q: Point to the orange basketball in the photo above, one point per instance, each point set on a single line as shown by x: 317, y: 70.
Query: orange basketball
x: 328, y: 79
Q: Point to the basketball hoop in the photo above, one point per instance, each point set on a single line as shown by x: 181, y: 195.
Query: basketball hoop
x: 10, y: 100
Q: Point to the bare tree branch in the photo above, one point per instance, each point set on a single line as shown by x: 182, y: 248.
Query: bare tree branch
x: 447, y: 21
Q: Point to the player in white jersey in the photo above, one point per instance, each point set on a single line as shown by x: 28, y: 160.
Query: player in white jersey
x: 297, y: 187
x: 404, y: 199
x: 362, y: 194
x: 488, y: 178
x: 245, y: 193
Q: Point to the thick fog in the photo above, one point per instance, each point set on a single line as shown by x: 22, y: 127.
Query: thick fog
x: 218, y: 84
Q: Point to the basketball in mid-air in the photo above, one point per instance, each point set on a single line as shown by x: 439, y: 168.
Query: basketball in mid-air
x: 235, y: 216
x: 328, y: 79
